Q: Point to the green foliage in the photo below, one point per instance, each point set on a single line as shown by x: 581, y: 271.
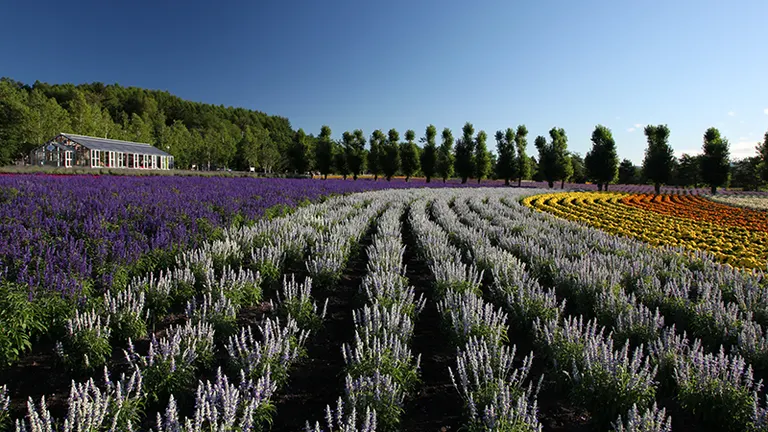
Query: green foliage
x: 429, y: 153
x: 324, y: 151
x: 354, y: 148
x: 715, y: 162
x: 482, y: 165
x: 628, y: 173
x: 746, y: 174
x: 340, y: 164
x: 445, y: 159
x: 563, y: 169
x: 465, y: 152
x: 376, y: 154
x: 659, y: 157
x: 391, y: 154
x: 579, y: 170
x: 300, y: 153
x: 86, y: 345
x: 506, y: 165
x: 523, y: 165
x: 762, y: 152
x: 409, y: 155
x: 20, y: 321
x: 602, y: 162
x: 547, y: 163
x: 689, y: 170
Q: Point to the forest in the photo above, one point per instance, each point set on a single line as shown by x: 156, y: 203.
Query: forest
x: 210, y: 137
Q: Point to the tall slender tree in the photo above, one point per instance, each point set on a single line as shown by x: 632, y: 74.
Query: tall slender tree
x: 482, y: 165
x: 300, y: 152
x: 716, y: 160
x: 659, y: 156
x: 409, y: 155
x: 429, y: 153
x: 563, y: 167
x: 354, y: 148
x: 465, y: 151
x: 340, y: 163
x: 602, y: 162
x: 391, y: 161
x: 523, y: 162
x: 547, y: 163
x: 445, y: 156
x: 376, y: 154
x: 505, y: 148
x: 324, y: 152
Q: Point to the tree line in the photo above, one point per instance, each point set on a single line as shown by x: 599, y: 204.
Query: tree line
x: 209, y: 137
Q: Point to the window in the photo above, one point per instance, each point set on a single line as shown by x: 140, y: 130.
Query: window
x: 154, y: 162
x: 68, y: 159
x: 120, y: 160
x: 111, y: 161
x: 94, y: 158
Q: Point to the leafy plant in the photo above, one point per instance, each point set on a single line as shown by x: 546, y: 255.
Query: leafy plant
x: 86, y: 345
x: 20, y: 321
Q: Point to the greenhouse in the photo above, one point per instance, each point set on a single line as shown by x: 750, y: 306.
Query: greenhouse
x: 70, y: 150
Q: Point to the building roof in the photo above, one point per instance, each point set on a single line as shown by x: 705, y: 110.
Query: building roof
x: 106, y: 144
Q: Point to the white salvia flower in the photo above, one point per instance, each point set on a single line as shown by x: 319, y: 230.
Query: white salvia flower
x: 651, y: 420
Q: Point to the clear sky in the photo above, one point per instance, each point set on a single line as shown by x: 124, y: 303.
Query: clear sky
x: 405, y: 64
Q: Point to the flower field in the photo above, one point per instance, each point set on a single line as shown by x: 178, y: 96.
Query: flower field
x: 735, y: 236
x: 750, y: 202
x: 407, y: 310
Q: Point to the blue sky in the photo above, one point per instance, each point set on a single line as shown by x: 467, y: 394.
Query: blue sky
x: 406, y: 64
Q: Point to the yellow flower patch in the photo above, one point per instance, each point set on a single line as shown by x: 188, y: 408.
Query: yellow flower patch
x: 736, y: 246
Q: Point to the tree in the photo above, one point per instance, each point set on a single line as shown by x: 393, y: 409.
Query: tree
x: 562, y: 165
x: 340, y: 163
x: 409, y: 155
x: 547, y: 163
x: 762, y: 151
x: 602, y: 162
x: 269, y: 155
x: 354, y: 147
x: 178, y: 141
x: 523, y: 162
x: 391, y: 161
x: 299, y: 153
x: 445, y: 156
x: 465, y: 149
x: 746, y: 174
x: 250, y: 146
x: 429, y: 153
x: 689, y: 170
x: 482, y: 159
x: 324, y: 152
x: 505, y: 148
x: 659, y: 157
x: 47, y: 117
x: 376, y: 154
x: 627, y: 172
x: 579, y: 170
x: 716, y: 161
x: 536, y: 174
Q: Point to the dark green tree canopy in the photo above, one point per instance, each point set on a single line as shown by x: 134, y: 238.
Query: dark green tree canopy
x: 409, y: 155
x: 716, y: 160
x: 523, y: 164
x: 628, y: 172
x: 376, y: 153
x: 762, y: 152
x: 506, y: 164
x: 465, y: 151
x: 602, y: 162
x: 429, y: 153
x: 547, y: 162
x: 324, y: 152
x: 391, y: 161
x: 562, y: 165
x: 445, y: 158
x: 659, y: 156
x: 482, y: 159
